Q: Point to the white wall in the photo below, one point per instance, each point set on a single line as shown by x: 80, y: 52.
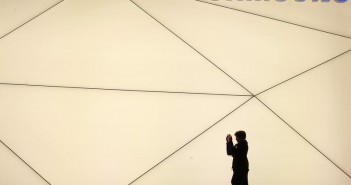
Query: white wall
x: 100, y: 92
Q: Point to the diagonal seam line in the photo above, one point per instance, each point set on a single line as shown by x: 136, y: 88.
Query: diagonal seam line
x: 25, y: 162
x: 271, y: 18
x: 189, y: 141
x: 126, y: 90
x: 304, y: 72
x: 304, y: 138
x: 191, y: 47
x: 30, y: 20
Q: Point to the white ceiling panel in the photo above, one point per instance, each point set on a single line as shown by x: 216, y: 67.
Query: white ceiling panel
x: 15, y: 13
x: 106, y: 44
x: 83, y: 137
x: 255, y: 51
x: 277, y: 155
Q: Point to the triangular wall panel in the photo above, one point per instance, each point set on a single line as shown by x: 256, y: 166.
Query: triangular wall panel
x: 330, y: 16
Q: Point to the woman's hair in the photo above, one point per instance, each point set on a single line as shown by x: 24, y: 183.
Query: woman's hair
x: 240, y: 134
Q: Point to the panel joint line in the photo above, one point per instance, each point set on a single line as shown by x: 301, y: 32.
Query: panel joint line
x: 303, y: 72
x: 25, y: 162
x: 297, y: 132
x: 30, y: 20
x: 127, y: 90
x: 275, y: 19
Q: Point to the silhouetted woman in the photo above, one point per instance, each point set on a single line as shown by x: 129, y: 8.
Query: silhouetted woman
x: 240, y: 162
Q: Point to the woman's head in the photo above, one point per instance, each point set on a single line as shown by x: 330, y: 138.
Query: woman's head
x: 240, y: 136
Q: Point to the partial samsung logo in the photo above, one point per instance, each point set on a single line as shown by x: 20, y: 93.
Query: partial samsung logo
x: 324, y: 1
x: 300, y: 1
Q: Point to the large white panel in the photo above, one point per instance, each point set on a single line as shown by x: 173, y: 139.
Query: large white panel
x: 14, y: 13
x: 14, y: 172
x: 257, y: 52
x: 277, y: 155
x: 330, y: 17
x: 89, y: 137
x: 318, y: 105
x: 106, y: 44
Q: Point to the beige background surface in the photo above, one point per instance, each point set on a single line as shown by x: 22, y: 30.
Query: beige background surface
x: 144, y: 92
